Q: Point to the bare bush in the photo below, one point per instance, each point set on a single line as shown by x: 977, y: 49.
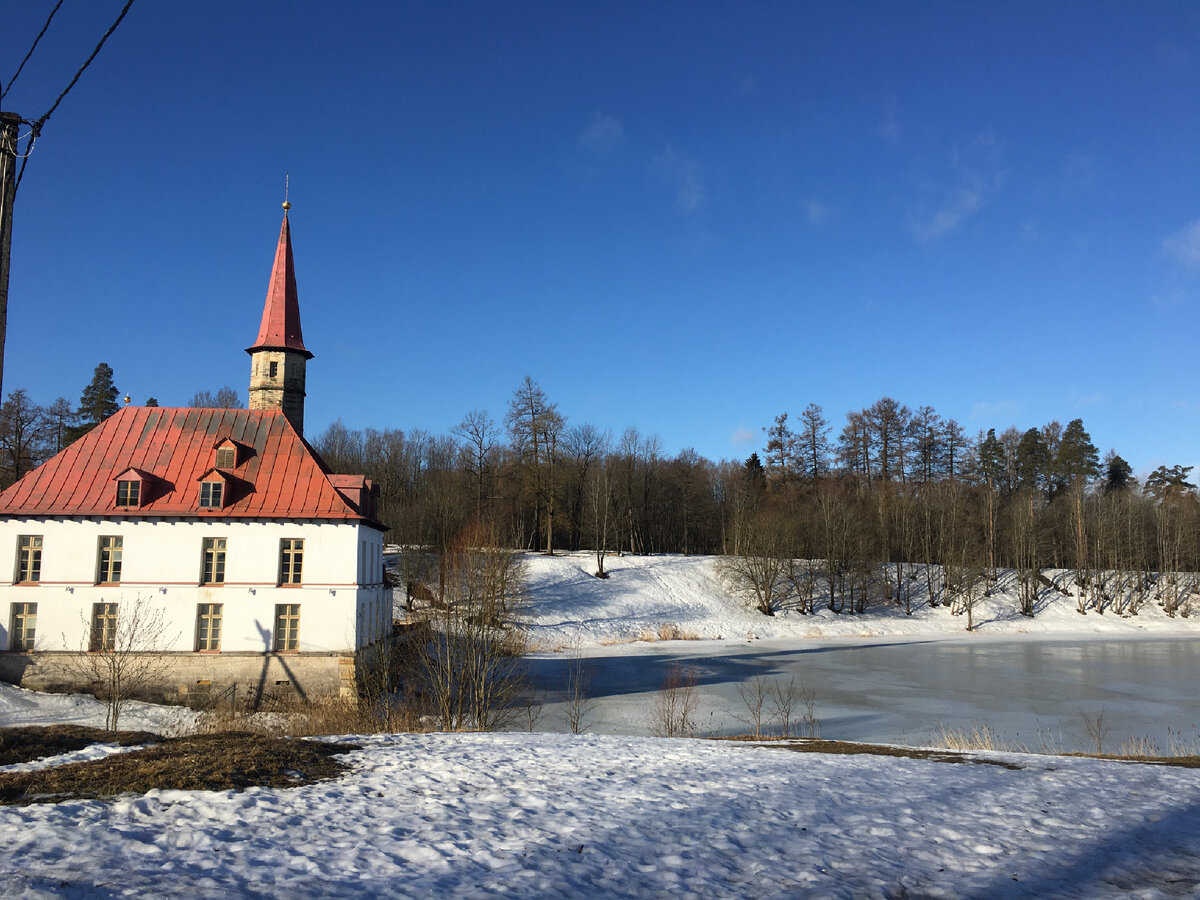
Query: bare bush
x: 467, y: 661
x: 676, y: 703
x: 577, y: 702
x: 121, y: 653
x: 1095, y: 727
x: 754, y: 695
x: 782, y: 697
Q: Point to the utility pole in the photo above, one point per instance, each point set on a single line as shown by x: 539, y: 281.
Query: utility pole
x: 9, y: 126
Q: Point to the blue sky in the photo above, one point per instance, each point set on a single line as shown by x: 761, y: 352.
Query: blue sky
x: 685, y: 217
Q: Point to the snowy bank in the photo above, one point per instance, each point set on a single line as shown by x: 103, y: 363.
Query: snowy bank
x: 652, y: 597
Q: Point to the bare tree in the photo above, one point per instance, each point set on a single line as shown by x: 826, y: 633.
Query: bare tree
x: 577, y: 702
x: 478, y: 432
x: 754, y: 692
x: 469, y: 664
x: 225, y: 398
x: 757, y: 571
x: 121, y: 652
x: 24, y: 430
x: 600, y: 504
x: 536, y: 426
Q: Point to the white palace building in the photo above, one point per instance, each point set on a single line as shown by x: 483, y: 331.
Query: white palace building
x: 264, y: 569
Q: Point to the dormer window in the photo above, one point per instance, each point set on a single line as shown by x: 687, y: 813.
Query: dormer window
x: 211, y: 494
x: 227, y: 454
x: 129, y: 493
x: 133, y: 488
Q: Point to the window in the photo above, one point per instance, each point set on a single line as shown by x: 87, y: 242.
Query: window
x: 24, y: 626
x: 210, y: 494
x: 291, y: 559
x: 110, y: 561
x: 287, y: 626
x: 208, y: 626
x: 226, y: 458
x: 29, y: 558
x: 129, y: 493
x: 104, y: 626
x: 214, y: 561
x: 272, y: 369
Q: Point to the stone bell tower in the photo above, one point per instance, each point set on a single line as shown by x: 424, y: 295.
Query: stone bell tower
x: 278, y: 356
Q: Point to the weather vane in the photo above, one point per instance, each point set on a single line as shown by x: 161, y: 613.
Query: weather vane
x: 286, y: 205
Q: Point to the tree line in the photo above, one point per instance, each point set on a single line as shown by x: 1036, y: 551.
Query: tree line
x: 30, y: 434
x: 875, y: 501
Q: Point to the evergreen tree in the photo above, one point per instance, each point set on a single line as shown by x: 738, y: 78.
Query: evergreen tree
x: 1077, y: 456
x: 781, y: 448
x: 97, y: 402
x: 1033, y: 460
x: 1119, y: 474
x: 152, y: 401
x: 991, y: 460
x: 753, y: 468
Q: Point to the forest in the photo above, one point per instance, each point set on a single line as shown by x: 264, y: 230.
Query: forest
x: 849, y: 513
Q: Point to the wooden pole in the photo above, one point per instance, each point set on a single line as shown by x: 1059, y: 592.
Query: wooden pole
x: 9, y: 126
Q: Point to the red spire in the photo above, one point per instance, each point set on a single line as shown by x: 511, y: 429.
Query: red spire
x: 280, y: 328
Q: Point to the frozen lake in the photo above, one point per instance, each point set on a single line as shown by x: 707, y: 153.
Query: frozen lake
x: 1030, y: 689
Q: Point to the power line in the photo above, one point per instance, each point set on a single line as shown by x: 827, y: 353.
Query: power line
x: 37, y: 125
x: 31, y: 49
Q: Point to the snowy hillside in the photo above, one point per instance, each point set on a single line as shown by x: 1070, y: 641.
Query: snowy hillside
x: 655, y: 597
x: 470, y: 815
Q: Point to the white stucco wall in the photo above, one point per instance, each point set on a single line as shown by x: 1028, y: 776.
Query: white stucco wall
x: 341, y: 596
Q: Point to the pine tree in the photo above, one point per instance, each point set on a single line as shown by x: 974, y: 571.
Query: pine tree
x: 97, y: 402
x: 1118, y: 475
x: 991, y: 459
x: 1033, y: 460
x: 1077, y: 455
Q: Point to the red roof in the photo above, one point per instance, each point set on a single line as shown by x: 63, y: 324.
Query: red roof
x: 278, y: 475
x: 280, y: 328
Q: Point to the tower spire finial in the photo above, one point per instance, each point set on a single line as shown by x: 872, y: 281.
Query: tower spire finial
x: 286, y: 205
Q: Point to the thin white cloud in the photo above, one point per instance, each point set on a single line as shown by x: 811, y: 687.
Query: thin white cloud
x: 602, y: 135
x: 977, y: 176
x: 993, y: 410
x: 742, y: 436
x: 1184, y: 245
x: 684, y: 174
x: 816, y: 212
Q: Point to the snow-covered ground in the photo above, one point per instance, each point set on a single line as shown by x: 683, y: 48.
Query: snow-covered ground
x: 646, y: 595
x: 472, y: 815
x: 603, y: 815
x: 22, y: 707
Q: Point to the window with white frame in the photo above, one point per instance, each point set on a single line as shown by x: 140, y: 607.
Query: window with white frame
x: 211, y: 494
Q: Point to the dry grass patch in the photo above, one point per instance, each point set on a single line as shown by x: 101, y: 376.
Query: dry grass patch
x: 851, y: 748
x: 30, y: 742
x: 204, y: 762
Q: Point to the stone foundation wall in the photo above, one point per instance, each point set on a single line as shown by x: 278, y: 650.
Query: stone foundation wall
x: 245, y: 680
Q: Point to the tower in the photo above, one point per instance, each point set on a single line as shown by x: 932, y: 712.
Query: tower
x: 278, y: 356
